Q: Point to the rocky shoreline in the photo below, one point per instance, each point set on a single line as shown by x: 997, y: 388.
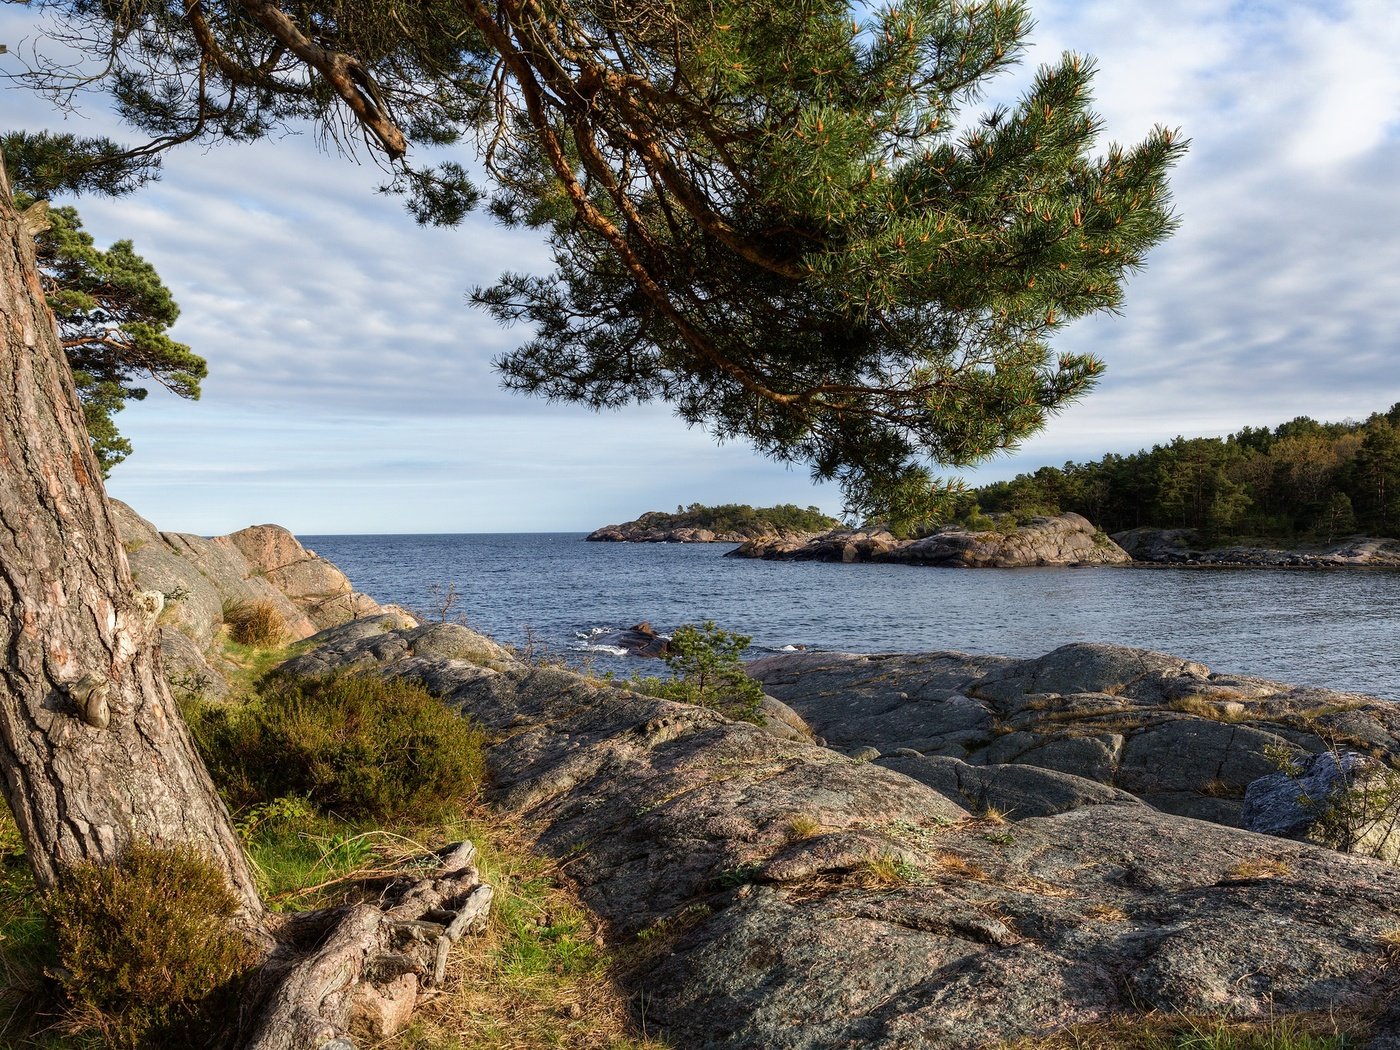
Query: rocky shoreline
x: 1067, y: 539
x: 693, y: 525
x: 934, y: 850
x: 1183, y: 547
x: 921, y: 870
x: 1064, y: 539
x: 635, y: 532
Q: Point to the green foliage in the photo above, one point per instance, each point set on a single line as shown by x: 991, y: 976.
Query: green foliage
x: 44, y: 163
x: 149, y: 945
x: 1301, y: 479
x: 256, y: 624
x: 1364, y: 816
x: 741, y: 518
x: 914, y: 504
x: 113, y: 311
x: 775, y: 217
x: 708, y: 669
x: 27, y: 950
x: 356, y: 745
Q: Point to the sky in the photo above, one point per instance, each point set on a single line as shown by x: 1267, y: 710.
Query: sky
x: 350, y: 387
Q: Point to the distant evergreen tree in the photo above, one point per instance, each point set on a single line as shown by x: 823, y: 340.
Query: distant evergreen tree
x: 113, y: 311
x: 1302, y: 478
x: 1338, y: 518
x: 111, y: 306
x: 1378, y: 469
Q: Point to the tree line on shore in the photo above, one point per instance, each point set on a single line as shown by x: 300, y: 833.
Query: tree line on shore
x: 1303, y: 479
x: 740, y: 517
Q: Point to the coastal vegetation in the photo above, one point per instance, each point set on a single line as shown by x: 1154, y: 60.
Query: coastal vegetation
x: 741, y: 518
x: 707, y: 669
x: 1301, y: 480
x: 773, y: 219
x: 333, y: 783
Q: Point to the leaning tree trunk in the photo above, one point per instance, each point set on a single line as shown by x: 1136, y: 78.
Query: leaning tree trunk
x: 95, y: 754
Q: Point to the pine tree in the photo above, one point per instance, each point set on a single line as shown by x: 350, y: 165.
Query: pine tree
x: 113, y: 311
x: 1378, y: 471
x: 778, y: 217
x: 112, y: 307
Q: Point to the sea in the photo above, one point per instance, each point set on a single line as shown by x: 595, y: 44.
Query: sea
x: 560, y: 595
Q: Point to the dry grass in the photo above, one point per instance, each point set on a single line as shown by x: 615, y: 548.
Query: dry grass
x: 1260, y: 868
x: 257, y: 624
x: 1156, y: 1031
x: 1105, y: 913
x: 539, y: 976
x: 886, y: 870
x: 960, y: 867
x: 993, y: 815
x: 803, y: 826
x: 1218, y: 788
x: 1390, y: 945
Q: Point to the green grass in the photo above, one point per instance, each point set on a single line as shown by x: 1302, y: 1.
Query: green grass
x: 540, y: 976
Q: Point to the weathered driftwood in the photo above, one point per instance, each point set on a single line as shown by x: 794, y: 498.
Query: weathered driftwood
x: 364, y: 963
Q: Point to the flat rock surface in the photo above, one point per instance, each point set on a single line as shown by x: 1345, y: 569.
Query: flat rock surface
x: 1168, y: 730
x: 778, y: 894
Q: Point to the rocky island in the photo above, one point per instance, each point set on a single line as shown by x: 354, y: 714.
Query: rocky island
x: 1065, y: 539
x: 727, y: 523
x: 921, y: 850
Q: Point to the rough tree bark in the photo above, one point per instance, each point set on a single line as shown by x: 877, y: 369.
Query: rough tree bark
x: 94, y: 752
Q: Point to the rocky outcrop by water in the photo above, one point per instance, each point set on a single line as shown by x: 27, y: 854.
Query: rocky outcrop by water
x: 193, y: 579
x: 986, y: 848
x: 636, y: 532
x: 1184, y: 547
x: 779, y: 894
x: 731, y: 524
x: 1067, y: 539
x: 1170, y: 732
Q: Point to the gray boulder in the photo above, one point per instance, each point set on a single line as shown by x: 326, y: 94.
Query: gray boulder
x: 1015, y: 791
x: 1089, y: 667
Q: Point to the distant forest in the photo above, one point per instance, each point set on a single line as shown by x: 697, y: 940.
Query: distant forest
x: 740, y: 517
x: 1300, y: 480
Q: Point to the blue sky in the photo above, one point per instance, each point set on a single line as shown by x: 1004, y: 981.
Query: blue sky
x: 350, y: 387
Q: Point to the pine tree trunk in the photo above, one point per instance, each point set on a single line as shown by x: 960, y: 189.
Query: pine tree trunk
x: 70, y: 627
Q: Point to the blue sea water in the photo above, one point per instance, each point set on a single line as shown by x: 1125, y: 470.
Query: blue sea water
x: 1339, y: 629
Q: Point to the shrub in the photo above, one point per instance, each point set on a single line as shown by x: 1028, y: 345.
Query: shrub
x: 708, y: 671
x: 148, y: 945
x: 257, y: 623
x: 356, y: 745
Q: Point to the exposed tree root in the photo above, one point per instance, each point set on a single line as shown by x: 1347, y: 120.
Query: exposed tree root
x: 361, y: 964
